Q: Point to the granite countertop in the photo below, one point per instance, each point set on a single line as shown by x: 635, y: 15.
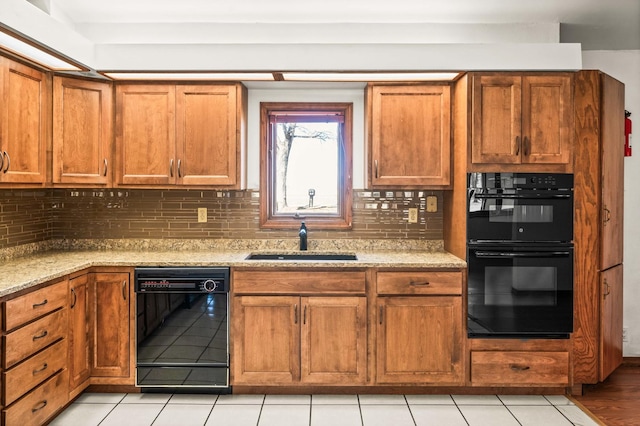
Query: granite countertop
x: 29, y: 270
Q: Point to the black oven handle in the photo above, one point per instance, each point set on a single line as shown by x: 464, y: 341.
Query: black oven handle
x: 522, y: 196
x: 501, y: 254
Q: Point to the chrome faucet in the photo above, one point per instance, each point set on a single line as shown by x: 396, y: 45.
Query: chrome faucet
x: 303, y: 236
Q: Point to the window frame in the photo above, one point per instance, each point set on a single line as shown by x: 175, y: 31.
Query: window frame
x: 341, y: 220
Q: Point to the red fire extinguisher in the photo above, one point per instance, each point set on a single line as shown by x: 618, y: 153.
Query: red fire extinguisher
x: 627, y: 134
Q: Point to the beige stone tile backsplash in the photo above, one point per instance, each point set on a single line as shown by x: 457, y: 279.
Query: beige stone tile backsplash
x: 34, y: 216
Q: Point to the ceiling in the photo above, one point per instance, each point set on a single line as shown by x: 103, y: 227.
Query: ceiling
x: 596, y: 24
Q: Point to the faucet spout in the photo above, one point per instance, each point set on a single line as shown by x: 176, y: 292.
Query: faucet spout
x: 303, y: 236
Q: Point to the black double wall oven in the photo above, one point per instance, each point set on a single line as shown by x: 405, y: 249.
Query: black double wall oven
x: 520, y: 255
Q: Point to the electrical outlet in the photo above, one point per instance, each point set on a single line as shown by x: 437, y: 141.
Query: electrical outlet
x: 202, y: 214
x: 413, y: 215
x: 432, y: 204
x: 625, y: 334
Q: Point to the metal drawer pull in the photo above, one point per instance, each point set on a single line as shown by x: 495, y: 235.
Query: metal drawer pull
x: 516, y: 367
x: 40, y: 370
x: 40, y: 406
x: 37, y: 305
x: 41, y: 335
x: 419, y: 283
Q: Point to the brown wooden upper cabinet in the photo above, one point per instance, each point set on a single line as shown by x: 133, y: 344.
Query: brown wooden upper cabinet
x: 179, y: 134
x: 522, y: 122
x: 409, y: 136
x: 25, y: 102
x: 82, y: 131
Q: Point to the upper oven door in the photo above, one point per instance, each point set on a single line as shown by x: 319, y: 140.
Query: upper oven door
x: 519, y: 215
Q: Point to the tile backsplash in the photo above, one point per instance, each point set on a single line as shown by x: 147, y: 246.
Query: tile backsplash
x: 32, y: 216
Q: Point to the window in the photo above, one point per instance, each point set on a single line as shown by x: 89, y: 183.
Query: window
x: 306, y: 165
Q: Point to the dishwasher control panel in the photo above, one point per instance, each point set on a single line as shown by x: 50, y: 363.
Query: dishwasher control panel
x: 184, y: 280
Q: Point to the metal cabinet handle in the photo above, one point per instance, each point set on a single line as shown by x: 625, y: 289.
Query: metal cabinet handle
x: 607, y: 215
x: 37, y: 305
x: 40, y: 406
x: 41, y: 369
x: 105, y: 167
x: 419, y: 283
x: 41, y: 335
x: 295, y: 314
x: 124, y: 289
x: 304, y: 315
x: 380, y: 314
x: 527, y: 146
x: 517, y: 145
x: 171, y: 167
x: 1, y: 159
x: 516, y: 367
x: 607, y: 289
x: 6, y: 155
x: 179, y: 168
x: 75, y: 298
x: 375, y: 163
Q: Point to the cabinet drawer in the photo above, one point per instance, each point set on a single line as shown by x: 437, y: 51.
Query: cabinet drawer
x: 496, y: 368
x: 449, y: 283
x: 38, y: 405
x: 33, y: 371
x: 26, y: 308
x: 299, y: 282
x: 25, y: 341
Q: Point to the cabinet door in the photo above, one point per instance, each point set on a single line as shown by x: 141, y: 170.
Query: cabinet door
x: 206, y: 136
x: 547, y: 111
x: 410, y: 136
x: 266, y: 343
x: 612, y: 171
x: 334, y: 340
x: 610, y: 321
x: 111, y: 325
x: 79, y: 339
x: 497, y: 125
x: 419, y: 340
x: 145, y: 135
x: 82, y: 131
x: 24, y: 122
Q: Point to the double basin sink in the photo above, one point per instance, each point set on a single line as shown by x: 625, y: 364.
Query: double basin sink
x: 301, y: 256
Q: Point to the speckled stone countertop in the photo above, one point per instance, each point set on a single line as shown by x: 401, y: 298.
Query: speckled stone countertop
x: 29, y: 270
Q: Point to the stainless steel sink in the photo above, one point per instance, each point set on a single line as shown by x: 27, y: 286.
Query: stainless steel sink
x: 302, y: 256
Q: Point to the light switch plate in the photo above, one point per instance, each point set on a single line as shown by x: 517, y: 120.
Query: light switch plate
x: 432, y: 204
x: 413, y: 215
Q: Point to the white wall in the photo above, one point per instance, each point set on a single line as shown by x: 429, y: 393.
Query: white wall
x: 624, y: 65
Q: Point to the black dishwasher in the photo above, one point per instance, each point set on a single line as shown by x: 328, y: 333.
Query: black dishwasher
x: 182, y: 329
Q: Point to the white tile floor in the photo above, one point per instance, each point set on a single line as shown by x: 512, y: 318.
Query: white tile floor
x: 316, y: 410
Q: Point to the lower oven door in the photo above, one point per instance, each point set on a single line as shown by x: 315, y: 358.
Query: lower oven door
x: 182, y: 341
x: 520, y: 291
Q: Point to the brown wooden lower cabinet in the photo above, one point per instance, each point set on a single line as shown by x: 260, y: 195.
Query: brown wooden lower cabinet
x: 79, y: 334
x: 112, y: 316
x: 420, y: 340
x: 290, y: 340
x: 39, y: 404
